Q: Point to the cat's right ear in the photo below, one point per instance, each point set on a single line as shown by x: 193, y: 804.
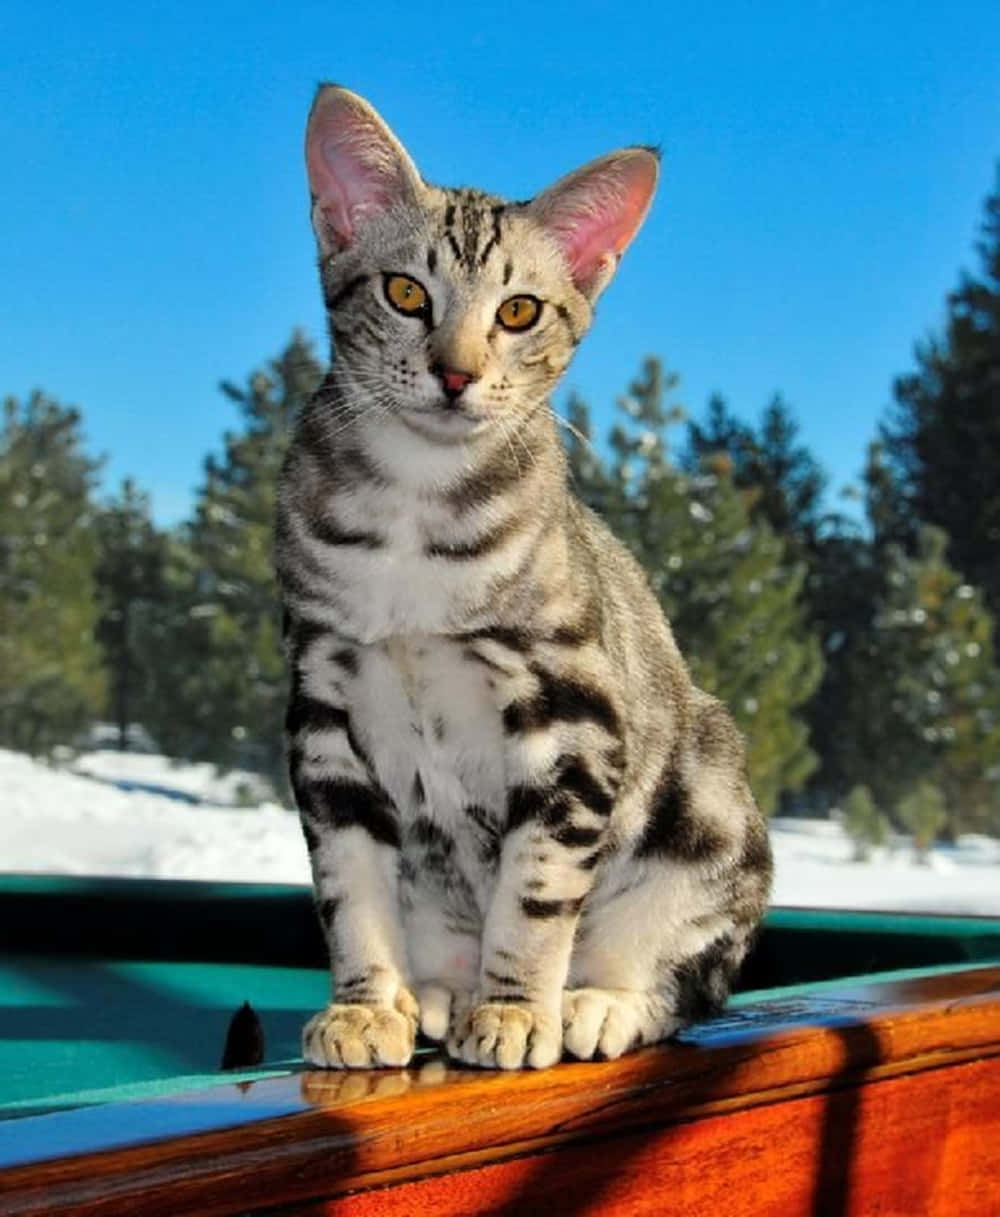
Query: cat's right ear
x: 356, y: 166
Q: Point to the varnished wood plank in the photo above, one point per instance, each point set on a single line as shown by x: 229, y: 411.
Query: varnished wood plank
x: 917, y: 1146
x: 355, y: 1131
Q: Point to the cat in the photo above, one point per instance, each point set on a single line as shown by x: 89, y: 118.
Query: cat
x: 529, y: 833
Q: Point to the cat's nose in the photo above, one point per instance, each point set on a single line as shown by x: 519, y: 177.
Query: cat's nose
x: 453, y: 381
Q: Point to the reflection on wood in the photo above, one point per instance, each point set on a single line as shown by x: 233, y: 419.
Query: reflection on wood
x: 921, y: 1152
x: 879, y: 1099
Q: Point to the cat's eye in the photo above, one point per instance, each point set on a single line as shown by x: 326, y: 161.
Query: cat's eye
x: 406, y: 295
x: 519, y: 312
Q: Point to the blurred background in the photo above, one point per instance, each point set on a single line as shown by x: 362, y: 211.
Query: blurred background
x: 789, y: 406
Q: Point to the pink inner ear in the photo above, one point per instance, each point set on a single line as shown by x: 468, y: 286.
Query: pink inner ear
x: 354, y: 163
x: 595, y: 215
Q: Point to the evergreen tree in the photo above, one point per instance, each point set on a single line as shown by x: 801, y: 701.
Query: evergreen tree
x: 926, y: 692
x: 864, y: 823
x: 783, y: 478
x: 943, y: 437
x: 922, y: 812
x: 887, y: 510
x: 847, y: 579
x: 733, y: 600
x: 721, y: 432
x: 131, y: 586
x: 51, y: 683
x: 220, y: 693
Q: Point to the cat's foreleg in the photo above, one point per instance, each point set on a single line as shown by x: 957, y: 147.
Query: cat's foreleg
x: 352, y: 832
x: 557, y: 821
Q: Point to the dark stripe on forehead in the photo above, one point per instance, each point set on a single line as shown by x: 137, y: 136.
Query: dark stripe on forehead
x: 471, y: 220
x: 508, y: 270
x: 432, y: 260
x: 449, y: 222
x: 494, y: 240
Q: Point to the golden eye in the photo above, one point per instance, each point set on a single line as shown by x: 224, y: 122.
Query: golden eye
x: 519, y: 312
x: 406, y: 295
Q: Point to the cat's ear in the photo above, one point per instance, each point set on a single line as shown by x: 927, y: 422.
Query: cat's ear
x: 356, y: 166
x: 595, y: 212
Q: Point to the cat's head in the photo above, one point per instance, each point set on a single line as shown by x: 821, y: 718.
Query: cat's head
x: 453, y: 309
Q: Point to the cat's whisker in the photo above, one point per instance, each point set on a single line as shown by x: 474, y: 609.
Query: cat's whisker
x: 573, y: 430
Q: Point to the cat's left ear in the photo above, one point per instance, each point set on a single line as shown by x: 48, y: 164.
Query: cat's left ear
x: 357, y: 167
x: 594, y: 213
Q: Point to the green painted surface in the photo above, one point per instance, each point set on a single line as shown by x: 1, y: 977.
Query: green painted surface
x: 146, y: 1020
x: 857, y: 921
x: 76, y: 1030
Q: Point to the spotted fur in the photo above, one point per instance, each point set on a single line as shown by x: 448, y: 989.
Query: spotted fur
x: 529, y: 832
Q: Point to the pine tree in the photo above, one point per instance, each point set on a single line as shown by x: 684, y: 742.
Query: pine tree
x: 922, y: 812
x: 943, y: 438
x: 847, y: 579
x: 131, y: 586
x: 732, y: 599
x: 784, y: 480
x: 926, y: 691
x: 51, y: 683
x: 785, y: 486
x: 221, y: 691
x: 721, y: 432
x: 864, y: 823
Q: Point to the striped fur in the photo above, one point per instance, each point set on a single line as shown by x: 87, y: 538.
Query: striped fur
x: 529, y: 832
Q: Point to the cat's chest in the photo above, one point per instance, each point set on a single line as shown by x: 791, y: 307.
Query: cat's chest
x: 429, y: 719
x: 401, y: 582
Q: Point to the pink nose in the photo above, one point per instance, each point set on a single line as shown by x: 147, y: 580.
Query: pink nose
x: 454, y: 382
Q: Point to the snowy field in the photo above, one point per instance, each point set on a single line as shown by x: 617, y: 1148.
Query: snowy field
x: 107, y: 813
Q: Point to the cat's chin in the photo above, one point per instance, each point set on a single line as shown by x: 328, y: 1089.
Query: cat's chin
x: 441, y: 425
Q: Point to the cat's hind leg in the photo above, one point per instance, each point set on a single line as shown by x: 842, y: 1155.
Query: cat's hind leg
x: 605, y: 1023
x: 629, y: 988
x: 445, y: 962
x: 443, y: 927
x: 660, y: 949
x: 671, y: 917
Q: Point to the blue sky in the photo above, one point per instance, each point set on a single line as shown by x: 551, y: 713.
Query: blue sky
x: 825, y: 167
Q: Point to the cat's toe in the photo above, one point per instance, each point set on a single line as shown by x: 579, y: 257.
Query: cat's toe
x: 496, y: 1035
x: 440, y: 1008
x: 435, y: 1010
x: 361, y: 1037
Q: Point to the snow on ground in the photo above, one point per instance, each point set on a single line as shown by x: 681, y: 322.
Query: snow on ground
x: 814, y: 868
x: 110, y: 813
x: 62, y: 822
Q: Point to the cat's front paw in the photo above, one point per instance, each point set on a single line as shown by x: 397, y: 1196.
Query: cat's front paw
x: 362, y: 1037
x: 499, y: 1035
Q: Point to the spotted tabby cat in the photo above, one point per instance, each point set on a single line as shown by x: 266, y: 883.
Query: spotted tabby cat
x: 529, y: 832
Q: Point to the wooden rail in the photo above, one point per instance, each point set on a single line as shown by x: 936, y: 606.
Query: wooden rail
x: 880, y: 1098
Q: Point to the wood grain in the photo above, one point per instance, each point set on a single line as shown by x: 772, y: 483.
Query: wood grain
x: 815, y: 1106
x: 920, y: 1146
